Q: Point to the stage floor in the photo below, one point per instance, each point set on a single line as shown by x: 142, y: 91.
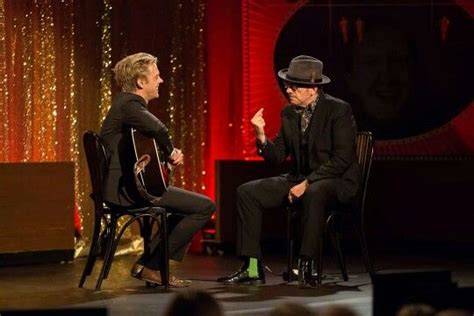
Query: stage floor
x: 49, y: 286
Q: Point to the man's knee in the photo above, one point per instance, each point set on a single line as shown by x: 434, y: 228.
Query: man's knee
x: 245, y: 189
x: 322, y: 189
x: 209, y: 208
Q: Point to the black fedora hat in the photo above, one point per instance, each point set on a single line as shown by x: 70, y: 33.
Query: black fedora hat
x: 304, y: 70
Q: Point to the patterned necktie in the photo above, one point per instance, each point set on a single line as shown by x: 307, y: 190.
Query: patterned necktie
x: 306, y: 114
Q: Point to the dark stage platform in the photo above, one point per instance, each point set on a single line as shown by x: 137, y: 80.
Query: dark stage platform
x: 49, y: 286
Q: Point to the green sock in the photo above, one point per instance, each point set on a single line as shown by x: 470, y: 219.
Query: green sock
x: 253, y: 268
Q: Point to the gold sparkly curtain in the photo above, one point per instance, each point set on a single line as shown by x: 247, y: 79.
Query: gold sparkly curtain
x: 92, y: 73
x: 36, y: 93
x: 174, y: 31
x: 187, y: 102
x: 55, y: 65
x: 39, y: 108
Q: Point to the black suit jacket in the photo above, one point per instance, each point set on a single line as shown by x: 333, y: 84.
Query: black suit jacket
x: 331, y: 146
x: 128, y: 110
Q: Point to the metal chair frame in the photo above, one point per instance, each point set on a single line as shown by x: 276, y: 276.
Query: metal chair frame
x: 107, y: 216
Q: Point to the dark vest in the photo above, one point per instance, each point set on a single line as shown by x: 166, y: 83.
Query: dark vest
x: 304, y: 149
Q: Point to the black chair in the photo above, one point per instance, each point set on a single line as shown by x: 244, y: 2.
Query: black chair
x: 353, y: 213
x: 107, y: 216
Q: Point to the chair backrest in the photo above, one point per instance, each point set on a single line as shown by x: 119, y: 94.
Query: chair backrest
x: 365, y: 153
x: 97, y: 163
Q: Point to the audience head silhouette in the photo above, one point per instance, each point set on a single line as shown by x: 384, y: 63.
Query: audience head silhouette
x: 416, y: 310
x: 194, y: 303
x: 337, y: 310
x: 454, y: 312
x: 291, y: 309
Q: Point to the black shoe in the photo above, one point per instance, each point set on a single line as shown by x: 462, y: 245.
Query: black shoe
x: 305, y: 273
x: 242, y: 276
x: 290, y: 277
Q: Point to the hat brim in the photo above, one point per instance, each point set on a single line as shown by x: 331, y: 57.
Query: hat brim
x: 283, y: 75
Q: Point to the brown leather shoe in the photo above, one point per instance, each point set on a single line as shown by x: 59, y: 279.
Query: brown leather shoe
x: 151, y: 276
x: 154, y: 277
x: 175, y: 282
x: 136, y: 270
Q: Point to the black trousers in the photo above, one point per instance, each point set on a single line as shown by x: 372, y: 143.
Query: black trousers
x: 255, y: 196
x: 196, y: 210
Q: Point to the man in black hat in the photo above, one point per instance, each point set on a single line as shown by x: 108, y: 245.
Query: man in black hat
x: 318, y: 133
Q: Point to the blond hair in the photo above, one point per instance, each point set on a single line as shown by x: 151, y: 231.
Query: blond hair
x: 131, y: 68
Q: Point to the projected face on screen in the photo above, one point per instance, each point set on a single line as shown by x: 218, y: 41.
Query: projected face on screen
x: 405, y: 70
x: 381, y: 75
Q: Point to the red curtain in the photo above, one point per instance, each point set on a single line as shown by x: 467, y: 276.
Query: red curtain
x: 240, y: 43
x: 224, y: 64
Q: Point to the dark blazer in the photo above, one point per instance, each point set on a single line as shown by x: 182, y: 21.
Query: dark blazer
x: 128, y: 110
x: 331, y: 144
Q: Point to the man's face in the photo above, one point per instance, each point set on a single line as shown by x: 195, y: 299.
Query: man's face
x: 301, y: 96
x: 382, y: 74
x: 151, y: 83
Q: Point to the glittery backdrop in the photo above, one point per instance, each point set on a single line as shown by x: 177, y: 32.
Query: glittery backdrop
x: 55, y: 64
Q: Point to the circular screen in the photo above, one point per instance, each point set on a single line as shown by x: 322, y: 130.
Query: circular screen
x: 405, y: 70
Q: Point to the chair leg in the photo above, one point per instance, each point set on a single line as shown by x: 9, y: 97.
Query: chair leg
x: 115, y: 241
x: 336, y: 240
x: 365, y: 251
x: 291, y: 256
x: 93, y: 252
x: 290, y: 244
x: 146, y: 225
x: 319, y: 268
x: 165, y: 259
x: 108, y: 257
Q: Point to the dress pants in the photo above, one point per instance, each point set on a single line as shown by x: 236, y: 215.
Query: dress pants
x: 196, y: 210
x: 255, y: 196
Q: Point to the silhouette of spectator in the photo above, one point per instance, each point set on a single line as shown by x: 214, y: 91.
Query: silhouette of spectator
x: 194, y: 303
x: 337, y: 310
x: 291, y: 309
x: 416, y: 310
x: 454, y: 312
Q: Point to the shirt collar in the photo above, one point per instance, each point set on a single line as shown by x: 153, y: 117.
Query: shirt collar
x: 310, y: 107
x: 313, y: 104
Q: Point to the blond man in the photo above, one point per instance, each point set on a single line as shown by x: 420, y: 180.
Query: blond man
x: 139, y: 78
